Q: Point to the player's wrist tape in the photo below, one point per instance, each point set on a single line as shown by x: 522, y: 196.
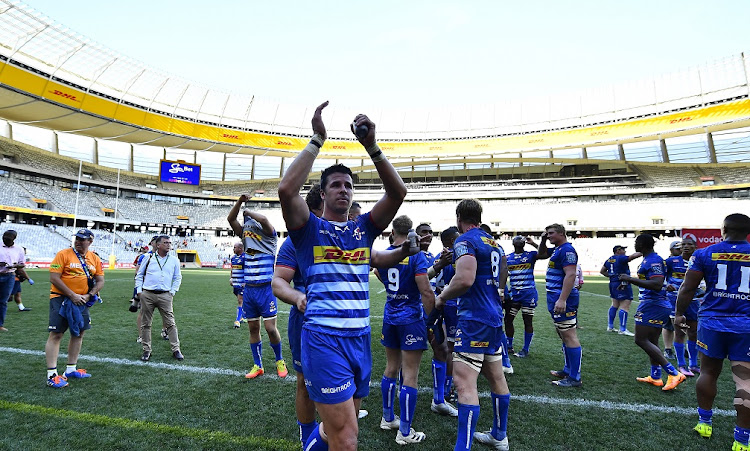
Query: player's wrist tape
x: 316, y: 142
x: 375, y: 153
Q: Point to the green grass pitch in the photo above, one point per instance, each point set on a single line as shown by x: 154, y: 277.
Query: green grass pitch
x: 204, y: 402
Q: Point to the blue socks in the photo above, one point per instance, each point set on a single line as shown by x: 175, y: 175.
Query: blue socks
x: 506, y: 358
x: 257, y: 349
x: 438, y: 381
x: 277, y: 351
x: 407, y: 399
x: 239, y: 313
x: 566, y: 366
x: 388, y: 390
x: 500, y: 405
x: 305, y: 429
x: 742, y: 435
x: 468, y: 415
x: 315, y: 441
x: 611, y: 317
x: 574, y: 356
x: 679, y: 349
x: 623, y: 320
x: 510, y: 342
x: 655, y: 372
x: 448, y: 384
x: 704, y: 416
x: 669, y: 368
x: 692, y: 348
x: 527, y: 337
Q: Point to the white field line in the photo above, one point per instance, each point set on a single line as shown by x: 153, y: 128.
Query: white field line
x: 547, y: 400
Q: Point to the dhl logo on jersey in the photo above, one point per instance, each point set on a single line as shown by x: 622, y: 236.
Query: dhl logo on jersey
x: 678, y: 275
x: 551, y: 264
x: 404, y: 261
x: 332, y: 254
x: 479, y: 344
x: 490, y: 242
x: 641, y: 276
x: 519, y: 267
x: 730, y: 257
x: 252, y: 235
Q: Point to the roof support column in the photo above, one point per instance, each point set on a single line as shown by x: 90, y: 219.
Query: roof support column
x: 621, y: 152
x: 281, y: 167
x: 55, y: 143
x: 584, y: 153
x: 224, y: 169
x: 664, y: 154
x: 711, y: 148
x: 252, y: 169
x: 96, y: 152
x: 130, y: 159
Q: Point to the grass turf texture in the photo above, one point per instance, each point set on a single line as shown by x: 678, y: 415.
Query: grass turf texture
x: 130, y: 405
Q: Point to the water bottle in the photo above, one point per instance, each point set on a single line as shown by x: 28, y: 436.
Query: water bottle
x: 31, y: 281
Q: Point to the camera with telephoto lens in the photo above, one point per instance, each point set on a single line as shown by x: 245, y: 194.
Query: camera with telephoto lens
x: 135, y: 304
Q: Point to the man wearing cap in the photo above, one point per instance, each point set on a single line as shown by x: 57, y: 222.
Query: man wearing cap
x: 522, y: 290
x: 667, y: 334
x: 12, y: 258
x: 157, y: 281
x: 621, y: 292
x: 76, y: 276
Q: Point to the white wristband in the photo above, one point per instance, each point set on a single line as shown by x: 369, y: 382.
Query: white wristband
x: 375, y: 153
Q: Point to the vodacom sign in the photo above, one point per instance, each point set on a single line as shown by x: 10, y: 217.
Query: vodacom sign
x: 703, y: 237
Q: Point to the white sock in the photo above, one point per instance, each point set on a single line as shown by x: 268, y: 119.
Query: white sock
x: 51, y: 372
x: 20, y: 306
x: 70, y: 368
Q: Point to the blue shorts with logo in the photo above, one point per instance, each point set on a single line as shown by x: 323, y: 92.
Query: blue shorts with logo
x: 571, y: 306
x: 294, y: 333
x: 336, y: 368
x: 652, y: 314
x: 527, y: 298
x: 58, y: 323
x: 237, y: 289
x: 450, y: 319
x: 620, y: 292
x: 478, y: 338
x: 406, y: 337
x: 257, y: 301
x: 672, y: 298
x: 722, y: 345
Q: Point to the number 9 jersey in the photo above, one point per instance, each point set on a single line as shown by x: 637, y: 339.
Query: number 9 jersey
x: 480, y: 302
x: 726, y: 269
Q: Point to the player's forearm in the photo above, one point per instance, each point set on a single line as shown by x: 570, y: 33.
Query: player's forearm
x: 284, y: 291
x: 395, y: 188
x: 295, y: 176
x: 457, y: 287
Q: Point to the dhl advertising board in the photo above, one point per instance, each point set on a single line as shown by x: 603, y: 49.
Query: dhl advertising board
x: 36, y: 84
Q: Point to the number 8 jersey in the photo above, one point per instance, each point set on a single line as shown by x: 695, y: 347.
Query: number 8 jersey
x: 481, y: 302
x: 726, y: 269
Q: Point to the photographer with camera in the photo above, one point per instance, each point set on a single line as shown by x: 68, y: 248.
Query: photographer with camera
x: 76, y: 276
x: 12, y: 260
x: 156, y: 283
x: 135, y: 301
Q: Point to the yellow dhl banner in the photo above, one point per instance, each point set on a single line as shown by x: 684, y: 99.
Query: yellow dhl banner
x: 39, y: 201
x: 35, y: 212
x: 183, y: 217
x: 37, y: 85
x: 107, y: 210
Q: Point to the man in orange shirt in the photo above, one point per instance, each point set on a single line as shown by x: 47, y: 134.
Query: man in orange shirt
x: 77, y: 277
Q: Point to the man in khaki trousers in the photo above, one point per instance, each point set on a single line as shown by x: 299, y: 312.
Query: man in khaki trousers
x: 157, y: 281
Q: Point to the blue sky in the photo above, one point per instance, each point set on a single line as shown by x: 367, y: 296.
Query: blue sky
x: 411, y: 53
